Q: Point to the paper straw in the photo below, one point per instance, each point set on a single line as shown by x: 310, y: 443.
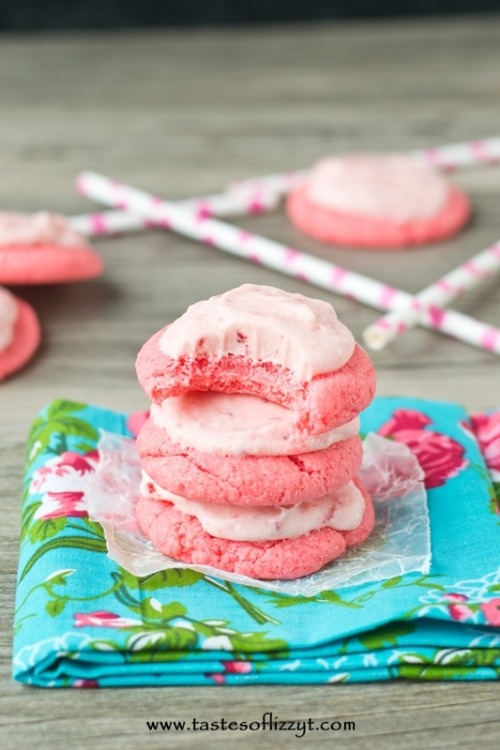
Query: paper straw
x: 104, y: 223
x: 223, y: 204
x: 281, y: 258
x: 445, y: 158
x: 260, y: 194
x: 467, y: 276
x: 459, y: 155
x: 279, y: 183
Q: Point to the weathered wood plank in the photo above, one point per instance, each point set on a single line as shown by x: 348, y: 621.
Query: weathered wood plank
x: 182, y: 113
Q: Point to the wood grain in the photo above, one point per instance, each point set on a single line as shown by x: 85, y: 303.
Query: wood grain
x: 182, y: 113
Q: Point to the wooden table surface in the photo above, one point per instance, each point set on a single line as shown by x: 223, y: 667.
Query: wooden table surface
x: 183, y: 113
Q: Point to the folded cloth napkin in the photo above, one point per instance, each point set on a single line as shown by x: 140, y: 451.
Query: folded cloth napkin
x: 82, y: 621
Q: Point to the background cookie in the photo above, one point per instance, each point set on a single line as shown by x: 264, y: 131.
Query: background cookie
x: 47, y: 264
x: 336, y: 228
x: 25, y: 342
x: 43, y: 248
x: 379, y: 201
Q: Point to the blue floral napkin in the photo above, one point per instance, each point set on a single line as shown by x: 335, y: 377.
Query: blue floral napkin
x: 82, y: 621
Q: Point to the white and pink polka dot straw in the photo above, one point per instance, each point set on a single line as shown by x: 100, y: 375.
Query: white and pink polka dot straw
x: 458, y: 155
x: 467, y: 276
x: 259, y: 194
x: 104, y: 223
x: 281, y: 258
x: 447, y: 158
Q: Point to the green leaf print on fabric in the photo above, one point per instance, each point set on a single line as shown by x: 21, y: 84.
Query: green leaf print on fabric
x: 48, y: 432
x: 54, y: 607
x: 449, y: 664
x: 495, y: 499
x: 387, y: 635
x: 282, y: 601
x: 41, y: 530
x: 182, y: 577
x: 163, y: 579
x: 76, y: 542
x: 162, y: 632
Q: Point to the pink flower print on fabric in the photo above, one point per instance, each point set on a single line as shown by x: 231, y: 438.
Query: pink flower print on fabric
x: 56, y: 504
x: 103, y: 619
x: 81, y: 463
x: 218, y: 677
x: 486, y: 428
x: 64, y: 465
x: 80, y: 683
x: 457, y: 609
x: 230, y: 667
x: 491, y: 612
x: 460, y: 609
x: 440, y: 456
x: 237, y: 667
x: 63, y: 480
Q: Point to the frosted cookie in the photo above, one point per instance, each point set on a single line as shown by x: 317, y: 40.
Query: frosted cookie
x: 19, y: 333
x: 181, y: 535
x: 246, y: 479
x: 377, y: 200
x: 265, y: 342
x: 42, y: 248
x: 238, y: 424
x: 342, y: 510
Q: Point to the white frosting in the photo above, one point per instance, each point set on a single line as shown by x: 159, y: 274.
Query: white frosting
x: 379, y: 186
x: 41, y: 228
x: 8, y: 316
x: 343, y: 511
x: 264, y: 324
x: 229, y: 423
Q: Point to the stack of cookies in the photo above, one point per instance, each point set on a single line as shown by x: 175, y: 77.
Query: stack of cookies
x: 252, y: 447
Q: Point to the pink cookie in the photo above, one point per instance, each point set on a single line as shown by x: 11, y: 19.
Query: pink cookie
x: 43, y: 248
x: 377, y: 201
x: 320, y: 404
x: 47, y: 264
x: 262, y: 341
x: 246, y: 480
x: 25, y: 340
x: 182, y: 537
